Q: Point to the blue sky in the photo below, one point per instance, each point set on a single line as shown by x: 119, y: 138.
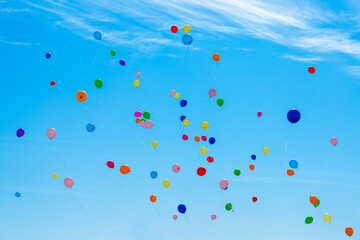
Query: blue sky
x: 266, y: 48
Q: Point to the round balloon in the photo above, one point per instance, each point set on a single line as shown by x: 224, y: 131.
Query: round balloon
x: 203, y: 150
x: 290, y: 172
x: 149, y: 124
x: 185, y: 137
x: 98, y: 83
x: 174, y: 29
x: 138, y: 74
x: 97, y: 35
x: 68, y: 182
x: 153, y: 198
x: 47, y: 55
x: 212, y: 140
x: 327, y: 218
x: 17, y: 194
x: 124, y: 169
x: 172, y: 93
x: 176, y: 95
x: 252, y: 167
x: 210, y: 159
x: 216, y: 57
x: 309, y: 220
x: 204, y: 138
x: 112, y: 52
x: 146, y: 115
x: 237, y: 172
x: 52, y: 83
x: 266, y: 150
x: 176, y: 168
x: 224, y: 184
x: 142, y: 123
x: 254, y: 199
x: 110, y: 164
x: 186, y: 122
x: 175, y: 216
x: 153, y: 174
x: 154, y: 144
x: 213, y: 217
x: 228, y: 206
x: 349, y: 231
x: 20, y: 132
x: 122, y: 62
x: 317, y: 204
x: 220, y: 102
x: 166, y: 183
x: 55, y: 176
x: 182, y: 208
x: 197, y: 138
x: 201, y: 171
x: 186, y: 29
x: 187, y: 39
x: 81, y: 96
x: 137, y: 120
x: 293, y: 116
x: 293, y: 164
x: 259, y: 114
x: 311, y: 70
x: 90, y: 127
x: 137, y: 114
x: 334, y: 141
x: 136, y: 83
x: 51, y: 133
x: 182, y: 118
x: 313, y: 200
x: 212, y: 92
x: 253, y: 157
x: 183, y: 103
x: 205, y: 126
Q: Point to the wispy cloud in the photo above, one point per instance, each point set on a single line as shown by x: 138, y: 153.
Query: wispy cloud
x: 301, y: 59
x: 15, y: 43
x: 12, y: 10
x: 352, y: 71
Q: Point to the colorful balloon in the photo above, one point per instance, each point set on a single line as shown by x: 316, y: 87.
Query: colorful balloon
x: 20, y: 132
x: 142, y: 123
x: 293, y: 116
x: 313, y: 200
x: 55, y: 176
x: 182, y: 118
x: 17, y: 194
x: 349, y: 231
x: 51, y: 133
x: 47, y: 55
x: 153, y: 198
x: 112, y: 52
x: 122, y: 62
x: 293, y: 164
x: 68, y: 182
x: 110, y: 164
x: 124, y: 169
x: 176, y: 95
x: 136, y: 83
x: 213, y: 217
x: 266, y: 150
x: 149, y: 124
x: 97, y: 35
x: 81, y: 96
x: 210, y: 159
x: 224, y: 184
x: 138, y: 74
x: 252, y: 167
x: 311, y: 70
x: 197, y: 138
x: 254, y: 199
x: 205, y: 126
x: 183, y: 103
x: 309, y: 220
x: 153, y: 174
x: 176, y: 168
x: 146, y: 115
x: 327, y: 218
x: 212, y: 92
x: 52, y: 83
x: 98, y: 83
x: 334, y: 141
x: 253, y: 157
x: 201, y: 171
x: 137, y: 114
x: 216, y: 57
x: 317, y: 204
x: 174, y: 29
x: 290, y: 172
x: 204, y: 138
x: 166, y: 183
x: 228, y: 206
x: 203, y: 150
x: 90, y: 127
x: 182, y: 208
x: 212, y: 140
x: 237, y: 172
x: 259, y: 114
x: 185, y: 137
x: 154, y: 144
x: 172, y: 93
x: 137, y: 120
x: 187, y: 39
x: 175, y: 216
x: 220, y: 102
x: 186, y: 122
x: 186, y: 29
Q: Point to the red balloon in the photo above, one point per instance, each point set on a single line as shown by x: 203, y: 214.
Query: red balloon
x: 203, y: 137
x: 52, y: 83
x: 110, y: 164
x: 185, y: 137
x: 201, y: 171
x: 254, y: 199
x: 311, y: 70
x: 174, y: 29
x: 210, y: 159
x: 259, y: 114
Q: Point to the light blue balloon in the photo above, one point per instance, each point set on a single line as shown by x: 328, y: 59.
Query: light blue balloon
x: 293, y: 164
x: 97, y: 35
x: 153, y: 174
x: 187, y: 39
x: 90, y: 127
x: 17, y: 194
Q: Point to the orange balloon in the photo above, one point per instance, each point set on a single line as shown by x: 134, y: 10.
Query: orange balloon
x: 252, y: 167
x: 314, y: 200
x: 197, y: 138
x: 349, y: 231
x: 81, y: 96
x: 216, y: 57
x: 124, y: 169
x: 290, y: 172
x: 137, y: 120
x: 153, y: 198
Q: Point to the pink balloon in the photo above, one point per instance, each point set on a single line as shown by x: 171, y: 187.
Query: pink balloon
x: 138, y: 114
x: 174, y: 216
x: 172, y: 93
x: 259, y: 114
x: 149, y: 124
x: 334, y: 141
x: 51, y: 133
x: 142, y: 123
x: 69, y: 182
x: 212, y: 92
x: 138, y: 74
x: 176, y: 168
x: 110, y: 164
x: 224, y: 184
x: 213, y: 217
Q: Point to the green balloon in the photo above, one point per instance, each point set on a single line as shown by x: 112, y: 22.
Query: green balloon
x: 317, y: 204
x: 98, y: 83
x: 228, y: 206
x: 112, y: 52
x: 220, y: 102
x: 146, y: 115
x: 237, y: 172
x: 309, y: 220
x: 143, y: 120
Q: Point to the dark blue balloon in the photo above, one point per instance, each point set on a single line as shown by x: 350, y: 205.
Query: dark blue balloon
x: 17, y: 194
x: 212, y: 140
x: 187, y: 39
x: 253, y: 157
x: 90, y: 127
x: 293, y: 164
x: 182, y: 208
x: 183, y: 103
x: 293, y: 116
x: 153, y: 174
x: 182, y: 118
x: 48, y: 55
x: 225, y: 188
x: 97, y: 35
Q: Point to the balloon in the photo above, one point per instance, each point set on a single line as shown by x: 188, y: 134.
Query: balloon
x: 228, y: 206
x: 349, y: 231
x: 55, y: 176
x: 97, y: 35
x: 237, y: 172
x: 186, y: 122
x: 254, y: 199
x: 311, y: 70
x: 220, y: 102
x: 259, y: 114
x: 146, y: 115
x: 153, y: 198
x: 149, y: 124
x: 216, y: 57
x: 20, y: 132
x: 137, y: 120
x: 309, y: 220
x: 110, y: 164
x: 293, y: 116
x: 172, y: 93
x: 317, y: 204
x: 187, y: 39
x: 334, y: 141
x: 186, y: 29
x: 112, y: 52
x: 166, y: 183
x: 205, y: 126
x: 224, y: 184
x: 81, y: 96
x: 213, y: 217
x: 176, y: 168
x: 212, y: 140
x: 143, y: 120
x: 136, y: 83
x: 182, y: 208
x: 203, y: 150
x: 182, y: 118
x: 252, y: 167
x: 51, y: 133
x: 48, y: 55
x: 153, y: 174
x: 266, y: 150
x: 177, y: 95
x: 290, y: 172
x: 98, y: 83
x: 313, y: 200
x: 197, y: 138
x: 183, y: 103
x: 90, y: 127
x: 253, y: 157
x: 138, y: 74
x: 52, y: 83
x: 17, y: 194
x: 293, y: 164
x: 124, y: 169
x: 137, y: 114
x: 210, y: 159
x: 212, y: 92
x: 142, y: 123
x: 204, y: 138
x: 174, y: 29
x: 185, y: 137
x: 122, y: 62
x: 175, y: 216
x: 154, y: 144
x: 68, y: 182
x: 201, y: 171
x: 327, y: 218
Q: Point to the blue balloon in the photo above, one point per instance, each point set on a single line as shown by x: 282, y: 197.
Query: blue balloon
x: 153, y: 174
x: 183, y: 103
x: 187, y: 39
x: 225, y: 188
x: 48, y: 55
x: 182, y: 208
x: 293, y: 116
x: 293, y: 164
x: 97, y: 35
x: 17, y: 194
x: 90, y: 127
x: 182, y: 118
x: 253, y: 157
x: 212, y: 140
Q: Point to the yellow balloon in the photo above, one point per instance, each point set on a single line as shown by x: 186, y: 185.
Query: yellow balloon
x: 203, y: 150
x: 166, y: 183
x: 186, y: 29
x: 177, y: 95
x: 186, y: 122
x: 154, y: 144
x: 327, y: 218
x: 204, y: 125
x: 136, y: 83
x: 55, y: 176
x: 266, y: 150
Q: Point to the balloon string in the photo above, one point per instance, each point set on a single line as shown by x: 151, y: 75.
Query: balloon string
x: 77, y: 201
x: 187, y: 220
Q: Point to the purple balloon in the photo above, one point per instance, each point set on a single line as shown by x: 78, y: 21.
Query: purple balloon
x: 122, y: 62
x: 20, y: 132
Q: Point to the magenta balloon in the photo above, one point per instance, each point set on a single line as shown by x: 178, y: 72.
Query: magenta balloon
x: 172, y: 93
x: 51, y: 133
x: 69, y: 182
x: 138, y: 114
x: 142, y: 123
x: 149, y: 124
x: 224, y: 184
x: 176, y: 168
x: 334, y: 141
x: 110, y: 164
x: 174, y: 216
x: 138, y: 74
x: 212, y: 92
x: 213, y: 217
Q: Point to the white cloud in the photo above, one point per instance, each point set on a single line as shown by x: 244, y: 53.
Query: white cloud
x: 15, y: 43
x: 353, y: 71
x: 301, y: 59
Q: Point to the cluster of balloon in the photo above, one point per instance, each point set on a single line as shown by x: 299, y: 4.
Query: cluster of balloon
x: 187, y: 39
x: 311, y: 70
x: 212, y: 93
x: 137, y: 82
x: 349, y: 231
x: 174, y: 94
x: 68, y: 182
x: 20, y: 132
x: 145, y: 122
x: 314, y: 201
x: 293, y: 165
